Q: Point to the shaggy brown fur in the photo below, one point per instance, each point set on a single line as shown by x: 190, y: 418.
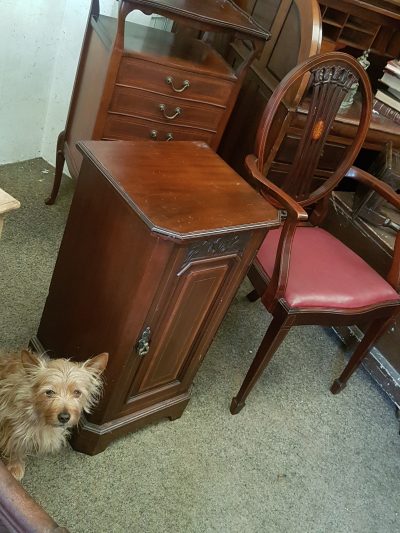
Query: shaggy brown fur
x: 40, y: 400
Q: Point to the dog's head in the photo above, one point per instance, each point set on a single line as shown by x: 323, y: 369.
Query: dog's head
x: 62, y: 389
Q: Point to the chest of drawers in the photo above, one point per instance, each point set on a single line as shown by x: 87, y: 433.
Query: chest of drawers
x: 136, y: 82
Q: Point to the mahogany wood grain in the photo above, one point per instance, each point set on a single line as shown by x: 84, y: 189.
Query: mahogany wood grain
x: 123, y: 127
x: 159, y: 236
x: 141, y: 74
x: 138, y: 103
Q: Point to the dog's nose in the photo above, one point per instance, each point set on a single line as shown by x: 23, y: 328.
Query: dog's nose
x: 64, y: 417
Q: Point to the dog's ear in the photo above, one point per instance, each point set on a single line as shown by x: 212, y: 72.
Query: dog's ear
x: 29, y: 359
x: 97, y: 363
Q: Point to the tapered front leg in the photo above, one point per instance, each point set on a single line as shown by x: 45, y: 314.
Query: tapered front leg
x: 275, y: 334
x: 375, y: 330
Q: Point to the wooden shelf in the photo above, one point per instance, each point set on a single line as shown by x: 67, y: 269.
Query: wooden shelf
x: 334, y: 14
x: 356, y: 40
x: 362, y: 25
x: 331, y: 22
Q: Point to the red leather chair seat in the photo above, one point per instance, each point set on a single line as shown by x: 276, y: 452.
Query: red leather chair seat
x: 325, y: 273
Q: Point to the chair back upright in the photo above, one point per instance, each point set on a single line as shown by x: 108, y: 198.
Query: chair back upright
x: 330, y: 78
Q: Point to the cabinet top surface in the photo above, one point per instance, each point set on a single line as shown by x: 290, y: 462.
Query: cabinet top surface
x: 180, y: 189
x: 222, y: 14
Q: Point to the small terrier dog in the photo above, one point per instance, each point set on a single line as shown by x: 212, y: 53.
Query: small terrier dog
x: 40, y: 400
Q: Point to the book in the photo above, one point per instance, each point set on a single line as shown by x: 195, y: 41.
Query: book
x: 394, y: 93
x: 393, y: 66
x: 388, y: 99
x: 391, y: 81
x: 386, y: 111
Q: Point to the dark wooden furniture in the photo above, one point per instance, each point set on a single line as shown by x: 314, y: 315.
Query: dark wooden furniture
x: 19, y: 513
x: 363, y: 25
x: 135, y: 82
x: 303, y: 274
x: 158, y: 239
x: 296, y: 34
x: 347, y: 25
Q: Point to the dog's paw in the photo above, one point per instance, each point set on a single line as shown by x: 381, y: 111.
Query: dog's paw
x: 17, y: 470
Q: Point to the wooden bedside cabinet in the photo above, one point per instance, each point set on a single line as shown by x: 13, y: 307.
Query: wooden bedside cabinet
x: 135, y: 82
x: 158, y: 239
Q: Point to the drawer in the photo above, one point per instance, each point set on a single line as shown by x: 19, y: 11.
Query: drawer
x: 122, y: 127
x: 153, y: 77
x: 149, y: 105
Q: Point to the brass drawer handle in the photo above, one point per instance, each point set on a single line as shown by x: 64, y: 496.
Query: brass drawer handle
x: 170, y: 81
x: 163, y: 109
x: 154, y: 135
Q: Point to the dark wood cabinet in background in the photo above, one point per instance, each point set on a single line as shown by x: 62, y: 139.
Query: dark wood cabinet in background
x: 300, y: 29
x: 158, y: 239
x: 375, y: 245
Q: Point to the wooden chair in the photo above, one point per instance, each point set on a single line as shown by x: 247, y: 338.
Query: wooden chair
x: 19, y: 512
x: 302, y: 273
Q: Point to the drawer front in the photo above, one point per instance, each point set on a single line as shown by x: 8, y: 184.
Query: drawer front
x: 165, y: 109
x: 153, y: 77
x: 123, y: 127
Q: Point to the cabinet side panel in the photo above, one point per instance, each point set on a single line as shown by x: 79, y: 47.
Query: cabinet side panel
x: 86, y: 99
x: 103, y: 283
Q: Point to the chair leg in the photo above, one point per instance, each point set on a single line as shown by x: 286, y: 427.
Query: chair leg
x: 60, y: 160
x: 253, y: 296
x: 374, y: 331
x: 275, y: 334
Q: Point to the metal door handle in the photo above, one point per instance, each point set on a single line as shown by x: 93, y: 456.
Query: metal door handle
x: 143, y: 344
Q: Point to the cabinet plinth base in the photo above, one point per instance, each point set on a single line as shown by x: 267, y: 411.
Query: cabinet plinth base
x: 92, y: 438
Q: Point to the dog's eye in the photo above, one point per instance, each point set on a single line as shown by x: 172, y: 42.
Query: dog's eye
x: 77, y: 393
x: 50, y: 393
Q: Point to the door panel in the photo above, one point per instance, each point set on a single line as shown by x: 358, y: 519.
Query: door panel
x: 177, y: 331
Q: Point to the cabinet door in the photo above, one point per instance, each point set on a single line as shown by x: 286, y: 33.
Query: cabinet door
x: 182, y: 324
